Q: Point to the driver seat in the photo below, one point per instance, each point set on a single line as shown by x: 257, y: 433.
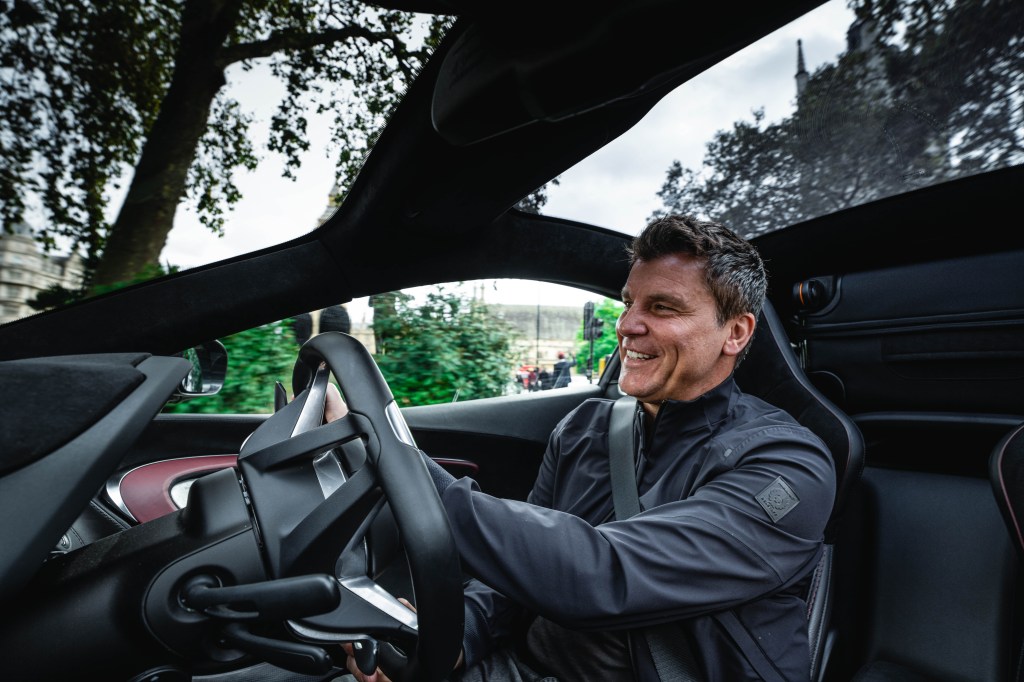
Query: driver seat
x: 772, y: 372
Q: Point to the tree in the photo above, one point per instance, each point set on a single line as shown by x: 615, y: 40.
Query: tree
x: 608, y: 310
x: 890, y: 115
x: 535, y: 200
x: 257, y: 358
x: 960, y: 72
x: 94, y: 89
x: 444, y: 349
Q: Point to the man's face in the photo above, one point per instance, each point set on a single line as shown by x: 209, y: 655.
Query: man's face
x: 670, y: 343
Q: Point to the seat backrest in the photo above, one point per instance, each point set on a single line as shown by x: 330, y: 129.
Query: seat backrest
x: 772, y: 372
x: 1006, y: 472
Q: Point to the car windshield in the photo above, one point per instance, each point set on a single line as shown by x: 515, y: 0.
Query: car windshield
x: 847, y: 104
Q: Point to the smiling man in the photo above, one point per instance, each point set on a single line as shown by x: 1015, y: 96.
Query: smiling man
x: 734, y: 498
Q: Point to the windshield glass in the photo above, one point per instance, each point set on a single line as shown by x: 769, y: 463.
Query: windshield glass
x: 836, y: 109
x: 848, y: 104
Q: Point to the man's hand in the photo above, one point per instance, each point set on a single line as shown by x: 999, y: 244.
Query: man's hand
x: 334, y: 407
x: 378, y: 675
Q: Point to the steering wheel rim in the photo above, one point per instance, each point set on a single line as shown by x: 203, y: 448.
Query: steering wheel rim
x: 275, y: 466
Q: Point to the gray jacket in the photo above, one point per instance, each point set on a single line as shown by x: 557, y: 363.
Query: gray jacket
x: 735, y: 495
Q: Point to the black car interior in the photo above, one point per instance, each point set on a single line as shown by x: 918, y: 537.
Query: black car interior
x: 64, y: 460
x: 895, y: 331
x: 929, y: 551
x: 1006, y: 474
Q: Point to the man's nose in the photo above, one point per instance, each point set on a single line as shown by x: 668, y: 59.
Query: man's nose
x: 630, y: 323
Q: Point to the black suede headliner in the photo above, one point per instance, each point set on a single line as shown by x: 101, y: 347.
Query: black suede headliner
x: 57, y: 399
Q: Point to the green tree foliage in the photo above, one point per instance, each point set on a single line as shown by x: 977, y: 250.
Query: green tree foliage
x: 257, y: 358
x: 443, y: 349
x: 93, y: 90
x: 607, y: 310
x: 927, y: 92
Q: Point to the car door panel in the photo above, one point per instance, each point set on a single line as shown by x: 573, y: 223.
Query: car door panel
x: 928, y: 359
x: 945, y: 335
x: 174, y: 450
x: 504, y: 437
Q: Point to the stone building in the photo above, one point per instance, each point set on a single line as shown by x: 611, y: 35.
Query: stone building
x: 542, y: 331
x: 26, y: 271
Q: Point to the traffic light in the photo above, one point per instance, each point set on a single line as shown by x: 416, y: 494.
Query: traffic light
x: 593, y: 326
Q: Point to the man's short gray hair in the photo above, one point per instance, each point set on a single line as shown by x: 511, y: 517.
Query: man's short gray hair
x: 733, y: 270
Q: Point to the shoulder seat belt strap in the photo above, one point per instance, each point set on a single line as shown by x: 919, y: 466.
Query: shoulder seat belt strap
x: 669, y: 645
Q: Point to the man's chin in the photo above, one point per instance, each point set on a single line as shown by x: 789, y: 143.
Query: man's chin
x: 633, y: 388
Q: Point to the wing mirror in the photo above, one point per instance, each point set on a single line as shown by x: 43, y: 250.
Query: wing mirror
x: 209, y: 367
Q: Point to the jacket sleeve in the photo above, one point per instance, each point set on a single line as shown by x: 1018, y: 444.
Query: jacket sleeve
x: 718, y: 548
x: 490, y: 615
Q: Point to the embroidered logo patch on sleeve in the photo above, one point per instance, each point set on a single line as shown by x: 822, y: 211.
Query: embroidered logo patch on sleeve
x: 778, y: 499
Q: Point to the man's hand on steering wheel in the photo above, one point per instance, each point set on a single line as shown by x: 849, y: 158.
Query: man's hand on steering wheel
x: 334, y: 406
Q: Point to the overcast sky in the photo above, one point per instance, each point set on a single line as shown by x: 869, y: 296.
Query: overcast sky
x: 614, y: 188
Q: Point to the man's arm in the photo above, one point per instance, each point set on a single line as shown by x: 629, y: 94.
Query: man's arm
x: 490, y: 616
x: 714, y: 550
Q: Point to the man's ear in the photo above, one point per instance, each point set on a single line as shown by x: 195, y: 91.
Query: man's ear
x: 741, y: 330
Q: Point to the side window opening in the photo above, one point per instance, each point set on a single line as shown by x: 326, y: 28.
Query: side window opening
x: 435, y: 344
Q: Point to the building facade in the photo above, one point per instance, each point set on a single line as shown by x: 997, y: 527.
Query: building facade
x: 542, y: 331
x: 25, y: 271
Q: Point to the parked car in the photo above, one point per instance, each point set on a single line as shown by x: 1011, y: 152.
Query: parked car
x: 140, y: 544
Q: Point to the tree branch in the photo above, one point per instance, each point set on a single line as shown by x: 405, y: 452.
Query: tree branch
x: 298, y: 40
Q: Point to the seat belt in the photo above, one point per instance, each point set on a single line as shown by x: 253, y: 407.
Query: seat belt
x: 669, y: 645
x: 670, y: 648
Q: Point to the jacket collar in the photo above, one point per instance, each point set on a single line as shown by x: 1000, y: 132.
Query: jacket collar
x: 703, y: 412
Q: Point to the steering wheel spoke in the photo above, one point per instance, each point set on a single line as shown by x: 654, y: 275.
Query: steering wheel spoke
x: 321, y: 438
x: 334, y: 526
x: 366, y: 608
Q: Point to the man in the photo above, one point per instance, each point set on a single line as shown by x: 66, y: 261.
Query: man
x: 707, y: 546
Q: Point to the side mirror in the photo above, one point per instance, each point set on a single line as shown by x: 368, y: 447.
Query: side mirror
x: 209, y: 367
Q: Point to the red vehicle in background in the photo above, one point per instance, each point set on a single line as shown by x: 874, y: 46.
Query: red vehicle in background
x: 527, y: 376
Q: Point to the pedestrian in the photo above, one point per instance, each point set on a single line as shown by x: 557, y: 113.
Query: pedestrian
x: 545, y: 378
x: 562, y: 369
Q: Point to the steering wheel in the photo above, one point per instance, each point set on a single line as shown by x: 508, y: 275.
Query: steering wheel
x: 321, y: 493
